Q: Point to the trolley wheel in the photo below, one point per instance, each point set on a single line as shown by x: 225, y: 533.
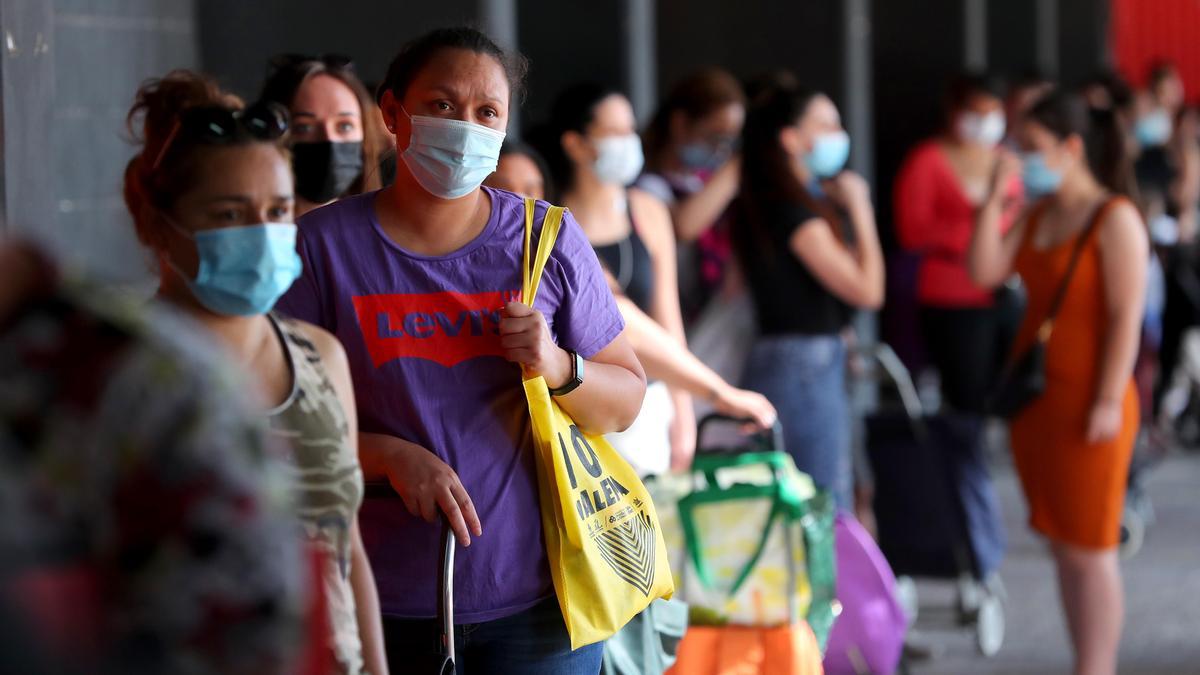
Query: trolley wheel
x: 989, y: 628
x: 1133, y: 533
x: 906, y: 596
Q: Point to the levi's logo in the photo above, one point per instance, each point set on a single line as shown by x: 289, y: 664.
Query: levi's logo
x: 446, y: 328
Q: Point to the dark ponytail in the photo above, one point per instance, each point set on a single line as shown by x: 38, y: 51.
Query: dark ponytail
x: 1065, y: 114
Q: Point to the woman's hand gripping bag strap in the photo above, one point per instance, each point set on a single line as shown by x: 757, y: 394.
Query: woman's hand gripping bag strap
x: 607, y: 557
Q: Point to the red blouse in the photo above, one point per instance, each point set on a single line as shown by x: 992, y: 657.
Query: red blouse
x: 935, y: 218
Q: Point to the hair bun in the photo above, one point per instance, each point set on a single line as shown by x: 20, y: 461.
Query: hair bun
x: 150, y: 121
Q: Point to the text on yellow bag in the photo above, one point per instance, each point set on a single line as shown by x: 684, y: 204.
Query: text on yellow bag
x: 606, y: 550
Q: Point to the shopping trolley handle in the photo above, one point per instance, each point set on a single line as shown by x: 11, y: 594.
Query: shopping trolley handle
x: 766, y: 439
x: 446, y: 597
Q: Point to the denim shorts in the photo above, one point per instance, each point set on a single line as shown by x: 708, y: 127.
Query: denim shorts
x: 804, y: 377
x: 533, y: 642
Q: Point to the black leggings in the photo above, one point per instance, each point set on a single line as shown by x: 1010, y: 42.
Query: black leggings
x: 969, y: 346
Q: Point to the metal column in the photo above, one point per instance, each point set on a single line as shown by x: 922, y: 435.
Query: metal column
x: 639, y: 57
x: 26, y: 101
x: 858, y: 106
x: 499, y: 20
x: 858, y: 109
x: 975, y: 33
x: 1046, y: 27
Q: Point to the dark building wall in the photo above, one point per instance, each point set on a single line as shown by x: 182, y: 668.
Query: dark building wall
x: 917, y: 44
x: 748, y: 38
x: 238, y: 37
x: 567, y: 43
x: 1012, y: 40
x: 1083, y: 39
x: 101, y: 53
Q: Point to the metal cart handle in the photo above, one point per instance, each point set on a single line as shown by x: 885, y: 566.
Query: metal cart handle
x: 896, y: 370
x: 446, y: 599
x: 768, y: 438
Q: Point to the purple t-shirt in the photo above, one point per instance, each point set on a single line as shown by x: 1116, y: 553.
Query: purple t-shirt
x: 422, y: 336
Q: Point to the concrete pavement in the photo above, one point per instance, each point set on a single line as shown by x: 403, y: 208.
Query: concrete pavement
x: 1162, y: 584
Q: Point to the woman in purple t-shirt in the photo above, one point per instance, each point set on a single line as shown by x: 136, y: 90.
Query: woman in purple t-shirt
x: 421, y: 282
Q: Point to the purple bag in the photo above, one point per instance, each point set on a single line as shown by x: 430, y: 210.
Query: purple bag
x: 868, y: 636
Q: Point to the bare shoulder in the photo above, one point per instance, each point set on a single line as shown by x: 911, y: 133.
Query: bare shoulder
x: 1123, y: 230
x: 653, y: 217
x: 1123, y: 222
x: 326, y: 344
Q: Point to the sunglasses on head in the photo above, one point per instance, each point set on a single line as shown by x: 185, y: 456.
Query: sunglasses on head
x: 330, y: 61
x: 217, y: 125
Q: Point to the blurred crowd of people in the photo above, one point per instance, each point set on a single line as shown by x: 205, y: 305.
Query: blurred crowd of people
x: 246, y: 474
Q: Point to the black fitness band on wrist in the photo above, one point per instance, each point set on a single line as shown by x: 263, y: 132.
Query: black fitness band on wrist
x: 576, y: 376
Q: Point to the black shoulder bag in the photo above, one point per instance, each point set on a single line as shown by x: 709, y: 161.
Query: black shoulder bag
x: 1024, y: 378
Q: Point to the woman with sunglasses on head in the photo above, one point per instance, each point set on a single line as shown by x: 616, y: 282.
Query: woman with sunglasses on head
x: 806, y: 238
x: 211, y: 193
x: 421, y: 281
x: 337, y: 137
x: 1082, y: 246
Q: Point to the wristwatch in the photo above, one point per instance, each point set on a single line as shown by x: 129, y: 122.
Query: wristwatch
x: 576, y: 376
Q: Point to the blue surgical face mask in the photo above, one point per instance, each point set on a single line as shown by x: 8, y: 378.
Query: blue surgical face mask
x: 451, y: 158
x: 243, y: 270
x: 619, y: 159
x: 829, y: 154
x: 1153, y: 129
x: 1039, y: 179
x: 701, y: 156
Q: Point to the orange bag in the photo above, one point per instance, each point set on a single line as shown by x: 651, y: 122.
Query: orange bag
x: 748, y: 650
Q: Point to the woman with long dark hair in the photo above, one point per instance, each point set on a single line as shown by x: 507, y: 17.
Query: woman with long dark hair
x: 594, y: 149
x: 1073, y: 444
x: 806, y: 239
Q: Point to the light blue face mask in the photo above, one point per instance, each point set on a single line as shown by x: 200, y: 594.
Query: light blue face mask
x: 701, y: 156
x: 1039, y: 179
x: 1153, y: 129
x: 451, y: 158
x: 829, y: 154
x: 243, y: 270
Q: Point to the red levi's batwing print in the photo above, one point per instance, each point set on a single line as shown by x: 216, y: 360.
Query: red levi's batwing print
x: 446, y: 328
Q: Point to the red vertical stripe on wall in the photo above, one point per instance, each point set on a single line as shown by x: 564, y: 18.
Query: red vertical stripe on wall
x: 1146, y: 31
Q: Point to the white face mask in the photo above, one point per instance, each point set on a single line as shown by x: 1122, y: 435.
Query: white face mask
x: 450, y: 158
x: 619, y: 159
x: 985, y: 130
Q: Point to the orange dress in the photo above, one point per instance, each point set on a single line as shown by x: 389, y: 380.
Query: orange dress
x: 1075, y: 490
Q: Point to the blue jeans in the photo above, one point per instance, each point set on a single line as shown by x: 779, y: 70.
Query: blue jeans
x: 804, y: 377
x: 533, y: 642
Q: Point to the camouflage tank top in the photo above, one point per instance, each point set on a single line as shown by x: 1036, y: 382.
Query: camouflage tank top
x: 327, y: 478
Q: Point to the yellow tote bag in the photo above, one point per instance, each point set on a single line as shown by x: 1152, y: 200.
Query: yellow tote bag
x: 606, y: 550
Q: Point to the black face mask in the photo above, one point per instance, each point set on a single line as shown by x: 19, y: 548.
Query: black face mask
x: 325, y: 170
